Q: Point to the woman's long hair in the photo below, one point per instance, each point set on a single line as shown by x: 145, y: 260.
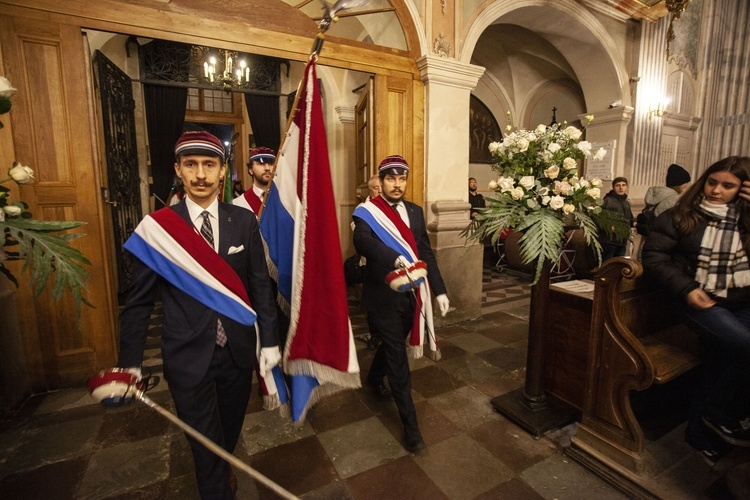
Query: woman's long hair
x: 685, y: 212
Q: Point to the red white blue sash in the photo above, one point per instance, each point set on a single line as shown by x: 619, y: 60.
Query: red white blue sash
x: 249, y: 200
x: 173, y: 249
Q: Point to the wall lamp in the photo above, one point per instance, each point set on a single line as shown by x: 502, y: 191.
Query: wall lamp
x: 658, y: 109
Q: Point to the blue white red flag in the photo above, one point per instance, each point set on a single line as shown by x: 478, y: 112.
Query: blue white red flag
x: 301, y: 231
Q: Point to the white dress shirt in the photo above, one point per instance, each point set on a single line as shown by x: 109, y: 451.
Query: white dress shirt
x: 196, y: 216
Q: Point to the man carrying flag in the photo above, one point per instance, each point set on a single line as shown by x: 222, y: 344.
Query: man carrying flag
x: 205, y: 259
x: 391, y: 234
x: 299, y: 226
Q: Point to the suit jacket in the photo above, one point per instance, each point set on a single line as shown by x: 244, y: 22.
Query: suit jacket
x: 376, y: 294
x: 189, y: 331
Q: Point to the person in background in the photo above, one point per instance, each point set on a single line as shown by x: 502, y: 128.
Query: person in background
x: 475, y: 199
x: 617, y: 201
x: 664, y: 198
x: 237, y: 189
x: 260, y: 168
x: 698, y: 252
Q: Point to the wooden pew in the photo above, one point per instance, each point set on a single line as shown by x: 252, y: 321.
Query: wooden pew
x: 635, y: 340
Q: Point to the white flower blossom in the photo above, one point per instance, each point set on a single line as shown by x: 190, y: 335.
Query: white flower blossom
x: 553, y: 147
x: 492, y: 185
x: 495, y: 147
x: 594, y: 192
x: 568, y: 208
x: 12, y: 210
x: 546, y: 200
x: 597, y: 182
x: 505, y: 184
x: 590, y: 118
x: 585, y: 147
x: 523, y: 144
x: 6, y: 88
x: 552, y: 172
x: 583, y: 183
x: 562, y: 187
x: 527, y: 181
x: 21, y: 174
x: 572, y: 132
x: 600, y: 154
x: 556, y: 202
x: 543, y: 191
x: 540, y: 129
x: 516, y: 193
x: 569, y: 163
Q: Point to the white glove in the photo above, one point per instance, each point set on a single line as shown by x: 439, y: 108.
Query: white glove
x: 401, y: 262
x: 269, y: 357
x: 135, y: 370
x: 443, y: 303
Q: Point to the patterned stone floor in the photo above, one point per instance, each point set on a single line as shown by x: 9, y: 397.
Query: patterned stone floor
x: 61, y: 445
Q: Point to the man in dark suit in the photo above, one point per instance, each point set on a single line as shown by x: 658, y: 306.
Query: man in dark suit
x: 208, y: 356
x: 391, y: 233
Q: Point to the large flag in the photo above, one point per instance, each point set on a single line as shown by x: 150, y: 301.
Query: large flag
x: 301, y: 232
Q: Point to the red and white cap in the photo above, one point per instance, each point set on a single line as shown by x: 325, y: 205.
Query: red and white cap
x: 199, y: 142
x: 394, y: 165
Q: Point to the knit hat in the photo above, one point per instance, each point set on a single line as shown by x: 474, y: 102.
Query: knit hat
x: 199, y: 143
x: 262, y: 155
x: 677, y: 176
x: 394, y: 165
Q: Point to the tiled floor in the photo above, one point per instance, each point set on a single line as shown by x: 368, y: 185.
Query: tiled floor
x: 62, y: 446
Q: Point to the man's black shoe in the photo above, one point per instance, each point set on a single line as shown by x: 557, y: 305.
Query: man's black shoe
x: 414, y: 444
x: 379, y: 389
x: 373, y: 343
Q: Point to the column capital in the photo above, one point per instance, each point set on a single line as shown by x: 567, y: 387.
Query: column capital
x: 345, y: 113
x: 441, y: 70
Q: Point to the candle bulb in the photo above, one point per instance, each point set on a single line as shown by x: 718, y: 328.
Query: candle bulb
x: 229, y: 65
x: 247, y: 74
x: 205, y: 69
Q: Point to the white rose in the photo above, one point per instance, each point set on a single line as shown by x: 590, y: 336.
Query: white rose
x: 562, y: 188
x: 522, y: 143
x: 494, y: 147
x: 492, y: 185
x: 572, y: 132
x: 505, y: 184
x: 553, y: 147
x: 516, y: 193
x: 12, y: 210
x: 552, y: 172
x: 596, y: 182
x: 569, y: 163
x: 545, y: 200
x: 600, y: 154
x: 540, y: 129
x: 6, y: 88
x: 527, y: 181
x: 543, y: 191
x: 585, y: 147
x: 556, y: 202
x: 568, y: 208
x: 21, y: 174
x: 583, y: 182
x: 594, y: 192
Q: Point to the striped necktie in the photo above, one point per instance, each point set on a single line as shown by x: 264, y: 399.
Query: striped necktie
x: 208, y: 233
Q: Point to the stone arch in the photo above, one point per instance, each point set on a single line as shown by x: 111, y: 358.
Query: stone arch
x: 594, y: 47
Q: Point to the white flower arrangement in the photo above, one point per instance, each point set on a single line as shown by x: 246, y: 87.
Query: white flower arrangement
x: 539, y: 192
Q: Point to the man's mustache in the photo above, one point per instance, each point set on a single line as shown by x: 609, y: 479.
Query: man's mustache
x: 201, y: 183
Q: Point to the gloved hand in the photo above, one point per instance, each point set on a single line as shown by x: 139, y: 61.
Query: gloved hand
x: 269, y: 357
x: 115, y: 386
x: 401, y: 262
x: 443, y: 303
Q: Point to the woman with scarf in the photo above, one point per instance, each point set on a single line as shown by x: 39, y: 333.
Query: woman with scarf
x: 698, y: 251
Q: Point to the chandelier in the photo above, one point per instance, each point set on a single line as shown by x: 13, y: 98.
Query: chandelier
x: 225, y: 69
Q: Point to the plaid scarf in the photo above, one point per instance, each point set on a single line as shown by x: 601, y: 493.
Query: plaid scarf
x: 722, y: 262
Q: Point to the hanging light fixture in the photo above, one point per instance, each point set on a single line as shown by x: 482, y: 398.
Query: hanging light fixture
x: 675, y: 8
x: 225, y: 69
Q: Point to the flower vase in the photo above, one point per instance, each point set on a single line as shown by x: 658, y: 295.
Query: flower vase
x: 14, y: 379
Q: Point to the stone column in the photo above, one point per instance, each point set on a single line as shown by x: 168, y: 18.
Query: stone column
x: 448, y: 85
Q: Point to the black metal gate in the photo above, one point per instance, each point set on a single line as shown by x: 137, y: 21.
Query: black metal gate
x: 124, y: 197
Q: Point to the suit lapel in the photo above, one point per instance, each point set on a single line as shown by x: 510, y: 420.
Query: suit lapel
x: 226, y: 230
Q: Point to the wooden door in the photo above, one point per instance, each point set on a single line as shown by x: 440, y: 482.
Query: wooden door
x: 55, y: 132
